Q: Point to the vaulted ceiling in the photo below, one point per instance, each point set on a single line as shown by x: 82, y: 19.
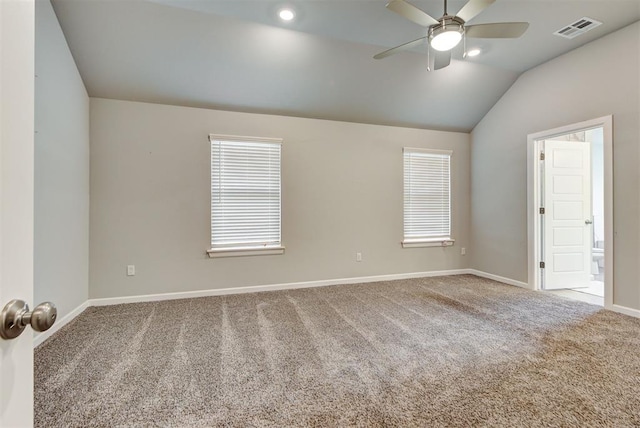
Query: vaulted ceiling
x: 238, y: 55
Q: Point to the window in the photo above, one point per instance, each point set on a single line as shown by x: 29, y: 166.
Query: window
x: 427, y: 198
x: 245, y: 196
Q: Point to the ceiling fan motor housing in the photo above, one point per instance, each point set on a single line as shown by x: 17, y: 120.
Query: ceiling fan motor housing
x: 447, y: 33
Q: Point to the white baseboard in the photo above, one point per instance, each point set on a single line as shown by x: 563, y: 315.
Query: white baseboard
x: 60, y: 322
x: 41, y: 337
x: 627, y: 311
x: 38, y: 339
x: 498, y: 278
x: 270, y: 287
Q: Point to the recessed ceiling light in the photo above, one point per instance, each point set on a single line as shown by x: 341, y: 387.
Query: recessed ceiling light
x: 474, y: 52
x: 286, y: 14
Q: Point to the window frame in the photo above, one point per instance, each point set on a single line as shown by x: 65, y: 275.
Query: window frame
x: 242, y: 249
x: 427, y: 241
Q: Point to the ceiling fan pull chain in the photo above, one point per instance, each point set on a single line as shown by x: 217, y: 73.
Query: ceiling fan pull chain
x: 464, y: 44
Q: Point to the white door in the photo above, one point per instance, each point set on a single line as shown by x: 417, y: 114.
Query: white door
x: 567, y: 218
x: 17, y: 37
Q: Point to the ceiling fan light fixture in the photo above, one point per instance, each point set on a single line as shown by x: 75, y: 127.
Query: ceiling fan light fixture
x: 446, y: 36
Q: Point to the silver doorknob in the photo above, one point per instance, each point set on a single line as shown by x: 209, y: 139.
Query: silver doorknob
x: 588, y: 222
x: 15, y: 317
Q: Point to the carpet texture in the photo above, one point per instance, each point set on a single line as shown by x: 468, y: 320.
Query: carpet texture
x: 447, y: 351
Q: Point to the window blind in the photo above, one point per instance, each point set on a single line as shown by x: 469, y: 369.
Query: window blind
x: 245, y: 193
x: 427, y: 195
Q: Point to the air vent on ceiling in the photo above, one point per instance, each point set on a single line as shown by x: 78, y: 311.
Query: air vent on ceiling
x: 581, y: 26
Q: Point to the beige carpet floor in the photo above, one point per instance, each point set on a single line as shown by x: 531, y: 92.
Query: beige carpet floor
x: 448, y: 351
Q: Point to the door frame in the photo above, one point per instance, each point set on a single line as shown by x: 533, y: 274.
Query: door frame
x: 534, y: 199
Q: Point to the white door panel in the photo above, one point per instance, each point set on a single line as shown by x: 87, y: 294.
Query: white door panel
x: 568, y: 236
x: 17, y: 35
x: 564, y: 210
x: 567, y: 201
x: 568, y: 158
x: 568, y: 262
x: 567, y: 184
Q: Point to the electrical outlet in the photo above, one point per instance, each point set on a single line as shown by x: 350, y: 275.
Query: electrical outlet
x: 463, y: 251
x: 131, y: 270
x: 358, y: 257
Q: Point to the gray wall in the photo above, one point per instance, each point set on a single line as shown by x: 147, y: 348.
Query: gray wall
x: 598, y: 79
x: 61, y: 243
x: 342, y: 193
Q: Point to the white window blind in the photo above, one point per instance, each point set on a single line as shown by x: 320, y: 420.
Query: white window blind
x: 245, y: 193
x: 427, y: 195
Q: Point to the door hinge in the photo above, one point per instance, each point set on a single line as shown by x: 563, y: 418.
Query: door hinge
x: 541, y: 155
x: 541, y: 265
x: 541, y: 210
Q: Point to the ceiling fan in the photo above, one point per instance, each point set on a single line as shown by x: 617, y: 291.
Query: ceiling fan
x: 445, y: 33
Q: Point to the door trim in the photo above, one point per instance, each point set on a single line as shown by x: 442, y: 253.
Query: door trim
x: 534, y: 200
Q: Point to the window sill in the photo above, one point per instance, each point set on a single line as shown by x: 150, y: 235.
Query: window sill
x: 441, y: 242
x: 245, y: 251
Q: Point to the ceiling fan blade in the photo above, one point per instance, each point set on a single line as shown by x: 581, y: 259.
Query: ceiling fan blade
x: 411, y: 12
x: 501, y: 30
x: 442, y: 60
x: 403, y: 47
x: 473, y: 8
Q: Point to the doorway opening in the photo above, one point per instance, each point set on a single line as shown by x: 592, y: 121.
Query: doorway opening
x: 570, y: 191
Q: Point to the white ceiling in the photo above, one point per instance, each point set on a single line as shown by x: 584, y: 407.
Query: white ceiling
x: 237, y: 55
